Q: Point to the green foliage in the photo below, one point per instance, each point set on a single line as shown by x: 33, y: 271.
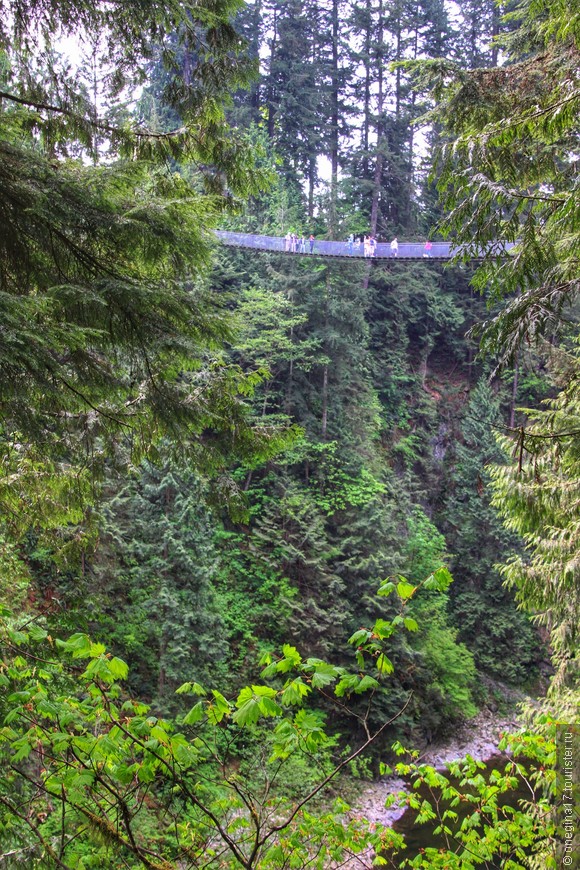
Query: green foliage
x: 334, y: 488
x: 289, y: 537
x: 110, y: 341
x: 446, y: 667
x: 453, y: 669
x: 98, y: 771
x: 483, y: 611
x: 114, y: 351
x: 475, y: 813
x: 536, y: 495
x: 509, y: 171
x: 155, y: 597
x: 267, y: 323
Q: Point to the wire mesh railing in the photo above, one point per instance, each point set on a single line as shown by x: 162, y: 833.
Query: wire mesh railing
x: 324, y: 248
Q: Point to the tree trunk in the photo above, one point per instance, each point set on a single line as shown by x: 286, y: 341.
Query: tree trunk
x: 378, y: 176
x: 514, y: 398
x: 324, y: 400
x: 270, y: 88
x: 325, y: 370
x: 495, y: 19
x: 334, y: 124
x: 311, y: 183
x: 367, y: 95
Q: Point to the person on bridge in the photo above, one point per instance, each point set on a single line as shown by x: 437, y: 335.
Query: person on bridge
x: 302, y: 245
x: 427, y: 249
x: 287, y: 240
x: 350, y: 243
x: 372, y: 246
x: 367, y: 246
x: 311, y: 243
x: 395, y: 248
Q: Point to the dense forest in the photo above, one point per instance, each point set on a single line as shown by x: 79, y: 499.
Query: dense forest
x: 273, y: 523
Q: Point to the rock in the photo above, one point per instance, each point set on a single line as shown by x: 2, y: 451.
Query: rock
x: 478, y: 737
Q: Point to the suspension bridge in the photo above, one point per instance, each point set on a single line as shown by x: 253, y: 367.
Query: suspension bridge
x: 347, y: 250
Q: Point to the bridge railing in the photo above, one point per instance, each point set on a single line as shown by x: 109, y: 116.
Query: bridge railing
x: 323, y: 248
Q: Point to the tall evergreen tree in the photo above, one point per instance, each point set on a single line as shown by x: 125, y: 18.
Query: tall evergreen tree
x: 155, y: 572
x: 105, y: 327
x: 536, y: 495
x: 484, y: 611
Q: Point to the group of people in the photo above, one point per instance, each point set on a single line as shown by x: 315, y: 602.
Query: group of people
x: 297, y: 244
x: 369, y: 244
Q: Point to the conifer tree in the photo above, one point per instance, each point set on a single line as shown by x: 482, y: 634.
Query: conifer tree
x: 508, y: 175
x: 102, y: 240
x: 155, y: 593
x: 536, y: 495
x: 485, y: 613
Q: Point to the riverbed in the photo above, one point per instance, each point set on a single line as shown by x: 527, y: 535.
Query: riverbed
x: 478, y: 737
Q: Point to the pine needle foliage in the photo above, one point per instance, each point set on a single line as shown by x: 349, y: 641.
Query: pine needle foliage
x: 538, y: 496
x: 110, y: 340
x: 509, y: 172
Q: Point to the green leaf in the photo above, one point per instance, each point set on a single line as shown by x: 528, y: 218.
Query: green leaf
x: 185, y: 754
x: 359, y: 636
x: 98, y: 669
x: 159, y: 733
x: 264, y: 691
x: 146, y: 773
x: 118, y: 668
x: 248, y: 713
x: 291, y: 660
x: 295, y: 691
x: 17, y: 637
x: 347, y: 684
x: 190, y: 689
x: 23, y: 749
x: 196, y: 714
x: 383, y: 628
x: 126, y: 772
x: 82, y: 779
x: 439, y: 581
x: 321, y: 678
x: 218, y: 708
x: 20, y: 697
x: 365, y: 684
x: 384, y: 665
x: 78, y: 644
x: 269, y: 707
x: 405, y: 589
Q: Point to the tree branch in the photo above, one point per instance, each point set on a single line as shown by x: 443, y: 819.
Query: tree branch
x: 103, y: 126
x: 334, y: 772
